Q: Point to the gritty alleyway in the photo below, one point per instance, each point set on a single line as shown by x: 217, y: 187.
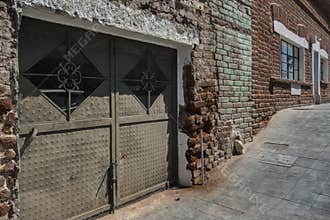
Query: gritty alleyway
x: 285, y: 174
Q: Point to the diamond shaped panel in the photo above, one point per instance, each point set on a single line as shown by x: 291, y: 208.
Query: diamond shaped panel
x: 146, y: 81
x: 66, y: 82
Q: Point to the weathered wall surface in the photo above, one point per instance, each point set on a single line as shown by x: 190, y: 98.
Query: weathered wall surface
x: 218, y: 81
x: 200, y: 78
x: 127, y: 18
x: 233, y: 53
x: 221, y: 92
x: 270, y: 93
x: 8, y: 118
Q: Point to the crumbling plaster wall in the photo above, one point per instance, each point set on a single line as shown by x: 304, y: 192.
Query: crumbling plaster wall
x: 111, y: 13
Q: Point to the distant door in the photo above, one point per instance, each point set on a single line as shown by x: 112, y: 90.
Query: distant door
x: 316, y: 82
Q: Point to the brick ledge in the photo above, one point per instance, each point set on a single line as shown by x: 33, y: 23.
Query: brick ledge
x: 324, y: 83
x: 288, y: 81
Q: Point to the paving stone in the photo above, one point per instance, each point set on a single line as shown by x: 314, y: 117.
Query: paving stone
x: 212, y: 209
x: 321, y: 165
x: 317, y: 175
x: 278, y: 159
x: 322, y: 202
x: 325, y: 155
x: 302, y: 196
x: 275, y: 146
x: 327, y: 148
x: 255, y: 216
x: 289, y: 210
x: 276, y: 187
x: 294, y: 173
x: 304, y: 162
x: 325, y: 188
x: 235, y: 201
x: 255, y: 190
x: 319, y: 214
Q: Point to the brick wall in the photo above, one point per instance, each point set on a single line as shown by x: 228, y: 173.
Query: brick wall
x: 269, y: 93
x: 8, y: 117
x: 233, y: 53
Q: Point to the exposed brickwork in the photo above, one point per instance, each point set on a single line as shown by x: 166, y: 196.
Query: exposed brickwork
x: 272, y: 95
x: 8, y: 116
x: 232, y: 21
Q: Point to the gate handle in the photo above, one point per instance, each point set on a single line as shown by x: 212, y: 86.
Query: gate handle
x: 28, y: 140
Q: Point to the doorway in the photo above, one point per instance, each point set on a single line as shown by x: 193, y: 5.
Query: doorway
x: 98, y: 120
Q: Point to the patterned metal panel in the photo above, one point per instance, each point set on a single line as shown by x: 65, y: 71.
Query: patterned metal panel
x: 143, y: 151
x: 162, y: 104
x: 46, y: 112
x: 128, y: 104
x: 166, y: 102
x: 145, y: 145
x: 61, y: 174
x: 95, y: 106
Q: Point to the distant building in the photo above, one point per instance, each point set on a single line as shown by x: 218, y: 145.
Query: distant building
x: 291, y: 42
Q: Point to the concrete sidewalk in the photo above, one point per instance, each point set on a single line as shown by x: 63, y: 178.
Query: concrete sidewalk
x: 284, y: 175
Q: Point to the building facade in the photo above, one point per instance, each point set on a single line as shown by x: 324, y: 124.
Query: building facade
x: 118, y: 99
x: 290, y: 56
x: 113, y: 98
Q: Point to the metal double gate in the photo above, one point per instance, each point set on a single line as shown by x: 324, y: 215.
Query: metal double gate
x: 97, y: 118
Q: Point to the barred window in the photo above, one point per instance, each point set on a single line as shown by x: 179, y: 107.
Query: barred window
x: 290, y: 61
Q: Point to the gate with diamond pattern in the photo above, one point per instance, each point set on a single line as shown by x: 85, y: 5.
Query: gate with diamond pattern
x: 97, y: 117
